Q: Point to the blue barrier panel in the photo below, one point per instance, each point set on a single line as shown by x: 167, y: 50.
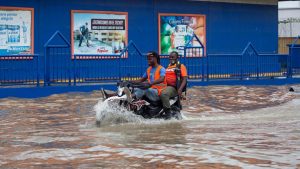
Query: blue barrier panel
x: 272, y: 65
x: 247, y: 65
x: 132, y: 63
x: 58, y: 65
x: 195, y: 62
x: 250, y: 62
x: 194, y: 58
x: 294, y: 58
x: 224, y: 66
x: 95, y: 68
x: 19, y: 70
x: 57, y: 61
x: 294, y: 51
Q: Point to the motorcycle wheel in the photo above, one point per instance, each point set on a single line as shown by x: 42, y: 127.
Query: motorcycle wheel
x: 176, y: 113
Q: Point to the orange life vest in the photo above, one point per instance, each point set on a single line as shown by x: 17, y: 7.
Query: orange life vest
x: 160, y: 86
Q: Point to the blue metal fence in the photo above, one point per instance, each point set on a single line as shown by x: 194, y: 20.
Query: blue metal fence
x: 247, y: 65
x: 60, y: 67
x: 19, y: 69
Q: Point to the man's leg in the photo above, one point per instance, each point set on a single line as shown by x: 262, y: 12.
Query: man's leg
x: 139, y: 93
x: 152, y: 94
x: 80, y: 40
x: 165, y: 96
x: 87, y: 40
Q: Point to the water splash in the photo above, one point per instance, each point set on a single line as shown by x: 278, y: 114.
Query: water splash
x: 109, y: 112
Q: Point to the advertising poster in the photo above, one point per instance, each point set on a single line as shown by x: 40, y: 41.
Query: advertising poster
x: 15, y: 31
x: 176, y: 30
x: 96, y: 33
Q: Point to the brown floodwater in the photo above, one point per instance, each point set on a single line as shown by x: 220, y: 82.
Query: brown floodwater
x: 224, y: 127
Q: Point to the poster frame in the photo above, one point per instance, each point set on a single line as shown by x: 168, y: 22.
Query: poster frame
x: 180, y: 14
x: 104, y: 56
x: 15, y: 56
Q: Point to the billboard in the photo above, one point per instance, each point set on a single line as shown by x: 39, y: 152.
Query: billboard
x: 98, y: 32
x: 176, y: 30
x: 16, y: 31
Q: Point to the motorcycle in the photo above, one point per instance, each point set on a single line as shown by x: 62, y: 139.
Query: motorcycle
x: 144, y: 107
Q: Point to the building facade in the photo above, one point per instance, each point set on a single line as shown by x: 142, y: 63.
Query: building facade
x: 228, y: 25
x: 288, y: 24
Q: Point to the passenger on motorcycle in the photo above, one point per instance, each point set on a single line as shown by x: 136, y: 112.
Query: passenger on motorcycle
x: 176, y: 77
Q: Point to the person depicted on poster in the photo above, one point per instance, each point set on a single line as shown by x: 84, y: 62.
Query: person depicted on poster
x: 84, y: 34
x: 189, y: 35
x: 24, y: 27
x: 173, y: 36
x: 178, y: 36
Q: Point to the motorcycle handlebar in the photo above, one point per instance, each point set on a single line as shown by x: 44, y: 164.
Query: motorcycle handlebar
x: 133, y: 85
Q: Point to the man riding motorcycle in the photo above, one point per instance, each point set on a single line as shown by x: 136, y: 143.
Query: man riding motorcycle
x: 155, y: 75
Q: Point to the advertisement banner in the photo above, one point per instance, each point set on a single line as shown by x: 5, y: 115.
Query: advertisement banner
x: 99, y: 33
x: 176, y: 30
x: 15, y: 31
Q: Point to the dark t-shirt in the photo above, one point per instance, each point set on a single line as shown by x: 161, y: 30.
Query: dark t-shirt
x: 84, y: 30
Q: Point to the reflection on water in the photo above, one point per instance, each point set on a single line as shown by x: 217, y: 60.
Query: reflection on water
x: 226, y: 127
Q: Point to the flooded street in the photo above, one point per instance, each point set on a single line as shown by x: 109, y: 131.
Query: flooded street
x: 225, y: 127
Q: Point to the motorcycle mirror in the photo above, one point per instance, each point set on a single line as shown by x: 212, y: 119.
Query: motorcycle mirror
x: 120, y: 91
x: 119, y: 83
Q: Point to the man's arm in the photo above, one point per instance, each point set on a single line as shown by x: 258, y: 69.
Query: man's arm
x: 184, y: 79
x: 158, y: 81
x: 182, y: 85
x: 80, y: 30
x: 139, y: 80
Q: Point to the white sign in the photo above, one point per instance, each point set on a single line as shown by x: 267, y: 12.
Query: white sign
x: 15, y: 32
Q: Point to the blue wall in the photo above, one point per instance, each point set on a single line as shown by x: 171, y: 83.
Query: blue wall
x: 229, y: 26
